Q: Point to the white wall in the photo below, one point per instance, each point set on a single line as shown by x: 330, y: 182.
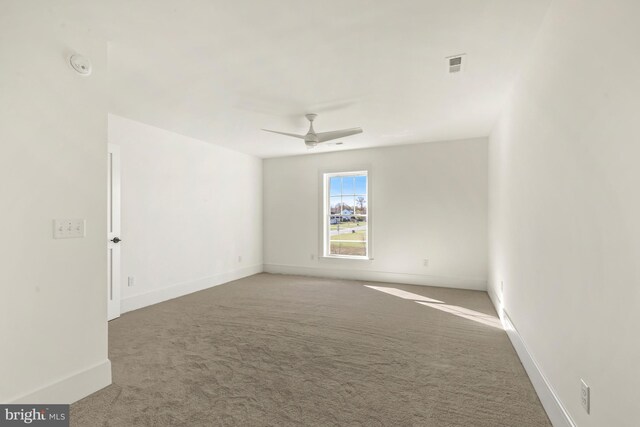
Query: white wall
x: 426, y: 201
x: 53, y: 130
x: 189, y: 210
x: 565, y: 203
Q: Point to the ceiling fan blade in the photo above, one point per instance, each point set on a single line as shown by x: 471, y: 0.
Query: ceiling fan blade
x: 285, y: 133
x: 328, y: 136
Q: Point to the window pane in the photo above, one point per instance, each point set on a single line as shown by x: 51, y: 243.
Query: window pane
x: 353, y: 249
x: 334, y: 249
x: 361, y: 205
x: 352, y: 234
x: 348, y: 205
x: 338, y: 224
x: 361, y: 185
x: 348, y: 185
x: 335, y: 204
x: 334, y: 186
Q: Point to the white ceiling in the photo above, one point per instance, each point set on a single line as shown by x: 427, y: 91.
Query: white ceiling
x: 222, y: 70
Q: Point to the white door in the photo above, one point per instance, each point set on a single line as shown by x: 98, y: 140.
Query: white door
x: 113, y: 233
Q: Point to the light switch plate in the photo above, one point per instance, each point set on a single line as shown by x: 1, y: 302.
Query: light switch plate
x: 68, y: 228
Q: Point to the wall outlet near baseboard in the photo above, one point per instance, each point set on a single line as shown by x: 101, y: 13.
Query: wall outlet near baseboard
x: 585, y: 396
x: 239, y: 258
x: 131, y: 281
x: 425, y: 262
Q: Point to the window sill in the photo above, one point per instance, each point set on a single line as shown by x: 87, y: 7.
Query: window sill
x: 353, y: 258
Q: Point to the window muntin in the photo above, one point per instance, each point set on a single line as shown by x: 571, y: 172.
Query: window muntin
x: 346, y: 215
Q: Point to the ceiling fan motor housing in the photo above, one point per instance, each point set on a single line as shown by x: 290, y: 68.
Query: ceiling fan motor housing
x: 312, y: 139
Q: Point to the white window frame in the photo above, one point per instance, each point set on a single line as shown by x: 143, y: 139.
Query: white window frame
x: 325, y: 214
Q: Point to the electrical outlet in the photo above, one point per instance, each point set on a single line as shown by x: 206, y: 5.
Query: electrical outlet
x: 131, y: 281
x: 425, y: 262
x: 239, y: 258
x: 585, y: 396
x: 312, y: 257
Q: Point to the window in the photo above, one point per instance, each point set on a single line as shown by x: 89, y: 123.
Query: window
x: 346, y: 215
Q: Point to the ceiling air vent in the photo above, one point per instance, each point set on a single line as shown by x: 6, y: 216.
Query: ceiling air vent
x: 455, y: 63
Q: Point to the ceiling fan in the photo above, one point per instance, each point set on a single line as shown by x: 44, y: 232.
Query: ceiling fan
x: 312, y: 139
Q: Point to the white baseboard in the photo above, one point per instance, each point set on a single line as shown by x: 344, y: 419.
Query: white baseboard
x: 556, y: 411
x: 379, y: 276
x: 71, y: 388
x: 180, y: 289
x: 495, y: 299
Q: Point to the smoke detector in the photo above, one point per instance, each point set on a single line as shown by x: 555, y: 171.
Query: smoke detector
x: 455, y: 63
x: 80, y: 64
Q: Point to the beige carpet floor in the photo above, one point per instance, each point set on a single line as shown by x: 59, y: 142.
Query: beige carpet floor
x: 273, y: 350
